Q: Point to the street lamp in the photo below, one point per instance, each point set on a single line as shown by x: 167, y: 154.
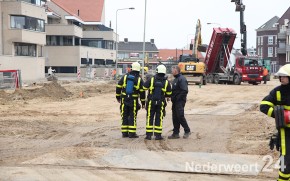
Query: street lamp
x: 214, y: 24
x: 116, y: 61
x: 144, y: 40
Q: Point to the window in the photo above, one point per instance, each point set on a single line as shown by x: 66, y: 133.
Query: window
x: 25, y: 49
x: 29, y: 23
x: 59, y: 40
x: 275, y: 51
x: 261, y: 51
x: 262, y: 40
x: 275, y: 40
x: 270, y: 51
x: 270, y: 40
x: 86, y: 61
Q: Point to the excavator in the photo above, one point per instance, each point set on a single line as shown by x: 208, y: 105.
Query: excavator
x: 190, y: 66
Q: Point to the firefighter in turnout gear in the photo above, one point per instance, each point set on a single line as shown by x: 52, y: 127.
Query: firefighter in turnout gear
x: 277, y: 105
x: 128, y: 90
x: 159, y: 88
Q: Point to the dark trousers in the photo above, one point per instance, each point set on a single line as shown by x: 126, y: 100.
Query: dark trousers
x: 178, y: 117
x: 284, y: 171
x: 265, y: 79
x: 129, y: 116
x: 157, y: 113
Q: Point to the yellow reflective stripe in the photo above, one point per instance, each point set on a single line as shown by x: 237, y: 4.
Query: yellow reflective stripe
x: 158, y: 127
x: 149, y: 127
x: 143, y: 99
x: 278, y: 95
x: 145, y: 88
x: 148, y: 114
x: 168, y: 93
x: 119, y: 86
x: 149, y: 131
x: 158, y: 131
x: 138, y: 84
x: 135, y: 112
x: 165, y: 86
x: 267, y: 103
x: 141, y: 90
x: 118, y: 94
x: 124, y: 126
x: 286, y: 107
x: 151, y: 85
x: 283, y: 141
x: 124, y: 81
x: 284, y: 175
x: 270, y: 111
x: 132, y: 127
x: 122, y: 111
x: 161, y: 115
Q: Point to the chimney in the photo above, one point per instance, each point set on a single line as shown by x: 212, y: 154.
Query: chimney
x: 78, y: 12
x: 152, y: 41
x: 126, y: 40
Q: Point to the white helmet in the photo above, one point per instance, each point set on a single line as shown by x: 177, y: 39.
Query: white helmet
x: 161, y: 69
x: 284, y: 71
x: 136, y: 66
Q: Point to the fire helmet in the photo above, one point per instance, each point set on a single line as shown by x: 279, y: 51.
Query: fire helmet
x: 284, y: 71
x: 136, y: 66
x: 161, y: 69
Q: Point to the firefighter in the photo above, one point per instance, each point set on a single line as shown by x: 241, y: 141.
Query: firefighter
x: 178, y: 98
x: 128, y: 90
x: 159, y: 88
x: 277, y: 105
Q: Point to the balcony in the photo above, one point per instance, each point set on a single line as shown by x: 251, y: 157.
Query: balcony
x: 288, y: 48
x: 282, y: 35
x: 63, y: 30
x: 26, y: 36
x: 106, y: 35
x: 281, y: 50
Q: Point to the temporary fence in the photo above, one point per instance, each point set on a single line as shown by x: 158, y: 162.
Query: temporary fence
x: 10, y: 79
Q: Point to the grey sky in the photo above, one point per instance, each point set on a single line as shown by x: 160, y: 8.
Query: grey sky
x: 172, y: 23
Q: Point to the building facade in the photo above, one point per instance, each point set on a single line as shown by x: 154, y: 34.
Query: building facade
x: 266, y: 40
x: 22, y: 37
x: 76, y: 36
x: 283, y: 29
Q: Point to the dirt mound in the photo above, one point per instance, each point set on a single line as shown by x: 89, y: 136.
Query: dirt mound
x: 51, y: 90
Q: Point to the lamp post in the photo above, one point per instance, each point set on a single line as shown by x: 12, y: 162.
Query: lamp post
x: 214, y: 24
x: 116, y: 61
x: 144, y: 40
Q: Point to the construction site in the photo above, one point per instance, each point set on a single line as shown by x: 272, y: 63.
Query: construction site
x: 70, y: 130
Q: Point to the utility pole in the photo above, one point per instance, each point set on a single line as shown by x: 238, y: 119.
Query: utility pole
x: 240, y: 7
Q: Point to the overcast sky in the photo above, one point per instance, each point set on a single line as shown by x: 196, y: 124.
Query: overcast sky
x: 172, y: 23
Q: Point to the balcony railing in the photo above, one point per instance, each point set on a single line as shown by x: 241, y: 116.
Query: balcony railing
x: 63, y: 30
x: 281, y: 50
x: 282, y: 35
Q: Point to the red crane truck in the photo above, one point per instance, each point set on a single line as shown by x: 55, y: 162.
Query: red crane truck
x: 218, y: 65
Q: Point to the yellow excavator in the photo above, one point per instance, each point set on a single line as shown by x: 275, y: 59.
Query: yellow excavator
x: 190, y: 66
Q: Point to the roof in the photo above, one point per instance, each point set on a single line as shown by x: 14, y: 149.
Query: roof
x: 286, y: 15
x: 269, y: 25
x: 165, y: 54
x: 137, y: 46
x: 89, y: 10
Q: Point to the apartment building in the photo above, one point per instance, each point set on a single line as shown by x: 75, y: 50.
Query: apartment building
x: 266, y: 40
x: 283, y: 28
x: 131, y: 51
x: 76, y: 36
x: 22, y: 37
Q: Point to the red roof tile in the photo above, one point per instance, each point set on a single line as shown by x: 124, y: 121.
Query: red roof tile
x: 89, y: 10
x: 166, y: 53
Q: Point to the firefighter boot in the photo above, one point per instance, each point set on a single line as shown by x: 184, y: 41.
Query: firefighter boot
x: 173, y: 136
x: 133, y: 135
x: 186, y: 135
x: 158, y: 136
x: 148, y: 136
x: 125, y: 135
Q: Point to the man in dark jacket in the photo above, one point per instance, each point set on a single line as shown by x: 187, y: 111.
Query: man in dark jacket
x: 159, y: 88
x: 178, y: 98
x: 277, y: 105
x: 128, y: 90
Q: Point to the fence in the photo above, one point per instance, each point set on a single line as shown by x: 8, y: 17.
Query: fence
x: 10, y: 79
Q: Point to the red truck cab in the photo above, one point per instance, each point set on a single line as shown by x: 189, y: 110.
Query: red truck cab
x: 249, y: 69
